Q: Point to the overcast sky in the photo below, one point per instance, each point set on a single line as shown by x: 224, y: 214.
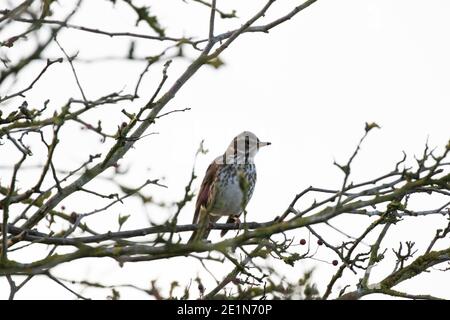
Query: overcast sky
x: 308, y: 87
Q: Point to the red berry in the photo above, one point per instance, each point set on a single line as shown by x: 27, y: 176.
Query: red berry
x: 319, y: 242
x: 303, y: 242
x: 335, y: 262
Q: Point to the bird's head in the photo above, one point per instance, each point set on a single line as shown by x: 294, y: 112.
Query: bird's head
x: 243, y: 148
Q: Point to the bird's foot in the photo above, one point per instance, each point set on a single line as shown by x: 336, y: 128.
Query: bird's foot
x: 237, y: 221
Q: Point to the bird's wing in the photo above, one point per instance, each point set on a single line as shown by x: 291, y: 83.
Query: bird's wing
x: 204, y: 196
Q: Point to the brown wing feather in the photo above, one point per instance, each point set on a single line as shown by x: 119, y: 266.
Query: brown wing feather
x: 203, y: 197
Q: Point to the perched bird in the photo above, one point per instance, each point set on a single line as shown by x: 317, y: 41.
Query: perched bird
x: 228, y: 184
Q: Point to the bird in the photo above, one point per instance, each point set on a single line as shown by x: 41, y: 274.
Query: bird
x: 228, y: 185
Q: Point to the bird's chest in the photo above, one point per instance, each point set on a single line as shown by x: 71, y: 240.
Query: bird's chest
x: 234, y: 187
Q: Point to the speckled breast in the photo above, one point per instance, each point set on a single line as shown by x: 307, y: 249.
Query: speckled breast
x: 233, y: 181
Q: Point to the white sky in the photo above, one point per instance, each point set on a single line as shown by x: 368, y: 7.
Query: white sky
x: 308, y: 87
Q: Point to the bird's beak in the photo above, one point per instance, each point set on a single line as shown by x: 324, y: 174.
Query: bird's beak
x: 263, y: 144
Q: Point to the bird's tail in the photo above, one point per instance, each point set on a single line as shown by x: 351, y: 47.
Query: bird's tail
x: 203, y: 230
x: 199, y: 235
